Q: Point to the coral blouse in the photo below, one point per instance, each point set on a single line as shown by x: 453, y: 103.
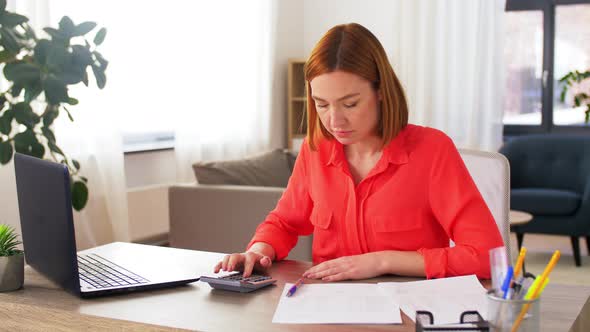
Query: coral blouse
x: 417, y: 197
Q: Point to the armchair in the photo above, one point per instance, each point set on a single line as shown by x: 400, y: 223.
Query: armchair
x: 550, y: 179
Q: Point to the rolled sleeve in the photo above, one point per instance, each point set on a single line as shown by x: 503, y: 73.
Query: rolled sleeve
x: 460, y: 209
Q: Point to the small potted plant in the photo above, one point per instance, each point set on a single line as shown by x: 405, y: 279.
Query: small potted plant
x: 12, y: 262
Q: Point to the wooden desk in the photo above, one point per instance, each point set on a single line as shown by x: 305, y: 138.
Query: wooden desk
x: 42, y: 306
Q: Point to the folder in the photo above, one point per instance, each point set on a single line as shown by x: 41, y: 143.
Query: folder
x: 469, y: 321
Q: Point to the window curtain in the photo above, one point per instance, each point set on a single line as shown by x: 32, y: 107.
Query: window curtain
x: 224, y: 109
x: 93, y: 138
x: 448, y: 54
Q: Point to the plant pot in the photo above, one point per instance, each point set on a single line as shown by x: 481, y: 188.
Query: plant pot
x: 12, y: 272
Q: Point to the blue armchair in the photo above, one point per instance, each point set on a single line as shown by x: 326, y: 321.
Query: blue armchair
x: 550, y: 178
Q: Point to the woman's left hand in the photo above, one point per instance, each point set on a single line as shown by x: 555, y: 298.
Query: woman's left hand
x: 349, y: 267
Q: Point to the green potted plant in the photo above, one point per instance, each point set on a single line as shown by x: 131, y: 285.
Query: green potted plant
x: 39, y: 72
x: 12, y: 261
x: 575, y: 79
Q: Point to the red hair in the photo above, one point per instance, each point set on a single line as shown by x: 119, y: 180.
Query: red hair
x: 353, y: 48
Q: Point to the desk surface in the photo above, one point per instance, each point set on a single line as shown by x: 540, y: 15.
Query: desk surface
x: 41, y: 305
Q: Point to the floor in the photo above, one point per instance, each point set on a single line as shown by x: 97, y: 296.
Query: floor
x: 540, y: 248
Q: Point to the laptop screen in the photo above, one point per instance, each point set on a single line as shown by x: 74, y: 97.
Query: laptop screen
x: 44, y: 201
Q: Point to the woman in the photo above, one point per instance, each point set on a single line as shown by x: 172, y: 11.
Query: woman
x: 379, y: 195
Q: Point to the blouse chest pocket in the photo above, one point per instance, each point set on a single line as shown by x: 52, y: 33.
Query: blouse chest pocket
x: 326, y: 240
x: 402, y: 223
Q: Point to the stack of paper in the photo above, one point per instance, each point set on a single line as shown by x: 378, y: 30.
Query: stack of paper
x: 445, y: 298
x: 362, y: 303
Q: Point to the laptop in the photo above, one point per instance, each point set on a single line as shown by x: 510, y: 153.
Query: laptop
x: 47, y: 223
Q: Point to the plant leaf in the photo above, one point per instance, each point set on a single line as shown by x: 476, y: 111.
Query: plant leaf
x: 6, y: 122
x: 24, y: 141
x: 67, y: 27
x: 82, y: 55
x: 8, y: 241
x: 84, y: 28
x: 41, y: 50
x: 562, y: 95
x: 69, y: 114
x: 79, y: 195
x: 22, y: 72
x: 71, y: 75
x: 57, y: 57
x: 6, y: 55
x: 37, y: 150
x: 101, y: 79
x: 6, y: 152
x: 2, y: 6
x: 76, y: 164
x: 100, y: 35
x: 10, y: 20
x: 55, y: 34
x: 8, y: 40
x: 24, y: 114
x: 49, y: 117
x: 48, y: 133
x: 55, y: 90
x: 101, y: 60
x: 33, y: 91
x: 16, y: 89
x: 53, y: 147
x: 85, y: 79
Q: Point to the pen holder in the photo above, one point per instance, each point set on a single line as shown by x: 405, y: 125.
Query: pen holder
x: 502, y: 314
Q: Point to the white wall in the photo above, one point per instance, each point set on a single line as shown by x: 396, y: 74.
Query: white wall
x: 375, y: 15
x: 150, y: 168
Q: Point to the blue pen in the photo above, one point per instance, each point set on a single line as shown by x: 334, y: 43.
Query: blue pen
x: 293, y: 288
x: 506, y: 284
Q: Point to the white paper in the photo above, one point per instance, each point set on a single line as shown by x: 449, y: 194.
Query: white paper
x: 445, y: 298
x: 337, y: 304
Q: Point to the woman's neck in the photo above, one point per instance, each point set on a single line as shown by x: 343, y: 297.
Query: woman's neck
x: 366, y: 149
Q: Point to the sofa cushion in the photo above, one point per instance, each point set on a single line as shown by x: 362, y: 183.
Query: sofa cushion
x: 544, y: 202
x: 270, y: 169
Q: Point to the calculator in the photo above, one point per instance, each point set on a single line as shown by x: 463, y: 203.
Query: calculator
x: 237, y: 283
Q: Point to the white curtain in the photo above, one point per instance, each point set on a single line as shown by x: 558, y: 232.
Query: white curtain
x: 93, y: 138
x: 448, y: 54
x: 225, y: 109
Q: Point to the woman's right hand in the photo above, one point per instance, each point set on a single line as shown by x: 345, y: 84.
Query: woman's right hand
x: 245, y: 262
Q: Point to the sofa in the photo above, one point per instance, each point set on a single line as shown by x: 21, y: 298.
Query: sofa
x: 550, y: 176
x: 221, y: 211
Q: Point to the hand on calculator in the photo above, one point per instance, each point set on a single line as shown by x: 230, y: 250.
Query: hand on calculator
x: 259, y: 257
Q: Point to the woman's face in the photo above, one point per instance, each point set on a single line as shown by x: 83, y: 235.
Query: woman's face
x: 347, y: 106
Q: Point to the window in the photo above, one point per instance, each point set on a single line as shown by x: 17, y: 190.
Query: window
x: 156, y: 76
x: 545, y: 39
x: 572, y: 51
x: 523, y: 57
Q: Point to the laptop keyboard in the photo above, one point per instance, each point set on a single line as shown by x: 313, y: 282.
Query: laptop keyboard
x: 99, y: 272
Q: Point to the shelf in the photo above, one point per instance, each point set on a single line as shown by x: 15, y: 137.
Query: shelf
x: 297, y: 103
